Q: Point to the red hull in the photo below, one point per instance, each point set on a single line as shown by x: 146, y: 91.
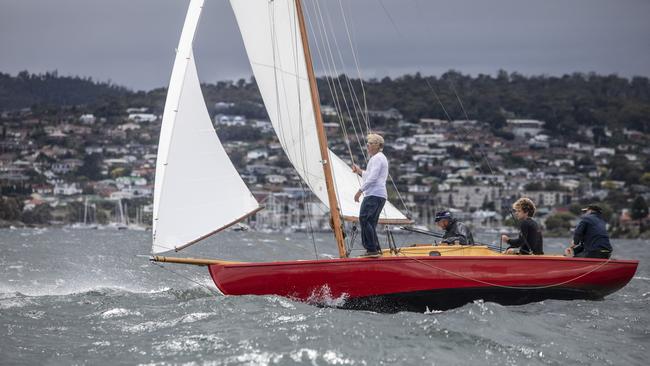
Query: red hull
x: 414, y: 283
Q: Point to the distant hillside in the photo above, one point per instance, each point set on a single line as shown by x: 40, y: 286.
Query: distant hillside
x: 565, y: 103
x: 25, y: 90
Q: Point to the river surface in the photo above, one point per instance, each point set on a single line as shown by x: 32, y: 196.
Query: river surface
x: 75, y: 297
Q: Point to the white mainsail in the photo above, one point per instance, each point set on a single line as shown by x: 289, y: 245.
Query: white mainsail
x: 197, y: 191
x: 271, y: 36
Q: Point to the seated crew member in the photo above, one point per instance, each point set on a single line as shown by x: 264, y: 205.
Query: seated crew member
x: 530, y: 239
x: 590, y: 238
x: 455, y: 231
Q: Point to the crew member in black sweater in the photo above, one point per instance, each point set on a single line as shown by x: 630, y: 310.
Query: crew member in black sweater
x: 530, y: 239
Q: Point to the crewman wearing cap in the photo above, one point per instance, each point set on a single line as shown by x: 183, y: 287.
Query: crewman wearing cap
x: 455, y: 231
x: 590, y: 238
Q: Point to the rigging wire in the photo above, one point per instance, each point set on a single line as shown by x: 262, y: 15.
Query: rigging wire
x: 212, y: 291
x: 280, y: 130
x: 356, y: 105
x: 335, y: 80
x: 339, y: 114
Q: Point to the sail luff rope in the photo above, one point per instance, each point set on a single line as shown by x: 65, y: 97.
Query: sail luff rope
x: 280, y: 131
x: 333, y: 70
x: 364, y: 112
x: 462, y: 107
x: 353, y: 95
x: 362, y: 148
x: 419, y: 13
x: 335, y: 79
x: 176, y: 107
x: 301, y: 127
x: 329, y: 79
x: 350, y: 89
x: 337, y: 106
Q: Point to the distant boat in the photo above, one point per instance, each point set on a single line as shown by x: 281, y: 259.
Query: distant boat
x: 87, y: 223
x: 119, y: 219
x: 198, y: 193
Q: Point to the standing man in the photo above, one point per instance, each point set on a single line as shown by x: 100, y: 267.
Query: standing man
x: 373, y: 187
x: 590, y: 238
x: 455, y: 231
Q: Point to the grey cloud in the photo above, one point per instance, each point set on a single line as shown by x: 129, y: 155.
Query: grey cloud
x: 132, y: 42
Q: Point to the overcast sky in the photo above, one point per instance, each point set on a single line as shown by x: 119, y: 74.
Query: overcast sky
x: 132, y: 42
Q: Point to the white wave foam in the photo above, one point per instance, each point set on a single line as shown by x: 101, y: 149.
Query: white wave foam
x: 323, y: 296
x: 155, y: 325
x: 335, y: 358
x: 118, y: 313
x: 15, y: 302
x: 57, y: 289
x: 192, y: 343
x: 298, y: 355
x: 257, y: 358
x: 194, y: 317
x: 303, y: 355
x: 290, y: 318
x: 282, y: 302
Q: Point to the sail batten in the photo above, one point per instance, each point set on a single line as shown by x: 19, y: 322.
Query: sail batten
x: 186, y: 209
x: 269, y: 30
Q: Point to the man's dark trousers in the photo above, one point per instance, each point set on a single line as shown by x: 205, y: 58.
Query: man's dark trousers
x: 371, y: 207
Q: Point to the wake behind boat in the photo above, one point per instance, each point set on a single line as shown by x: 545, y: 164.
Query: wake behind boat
x: 198, y: 193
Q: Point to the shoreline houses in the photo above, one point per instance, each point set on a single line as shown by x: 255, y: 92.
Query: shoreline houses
x: 460, y: 165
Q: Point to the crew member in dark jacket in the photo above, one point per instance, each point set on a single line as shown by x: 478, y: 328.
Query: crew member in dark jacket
x: 530, y: 239
x: 455, y: 231
x: 590, y: 238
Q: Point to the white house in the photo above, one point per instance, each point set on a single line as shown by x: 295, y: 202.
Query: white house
x: 257, y: 153
x: 604, y: 151
x: 67, y: 189
x: 276, y: 179
x: 142, y: 117
x: 87, y: 118
x: 525, y: 127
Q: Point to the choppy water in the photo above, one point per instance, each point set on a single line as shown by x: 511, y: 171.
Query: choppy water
x: 83, y: 297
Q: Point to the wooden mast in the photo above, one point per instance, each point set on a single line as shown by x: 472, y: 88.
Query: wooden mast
x: 322, y: 137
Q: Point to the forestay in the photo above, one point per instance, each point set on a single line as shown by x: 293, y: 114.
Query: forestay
x: 197, y: 190
x: 271, y: 36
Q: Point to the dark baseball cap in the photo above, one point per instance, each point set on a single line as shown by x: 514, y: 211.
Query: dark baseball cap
x: 442, y: 215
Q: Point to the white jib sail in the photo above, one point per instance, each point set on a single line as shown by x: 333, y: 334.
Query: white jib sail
x: 197, y: 189
x: 271, y: 36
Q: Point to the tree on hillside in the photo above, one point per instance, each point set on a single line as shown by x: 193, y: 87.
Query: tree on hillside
x: 639, y: 208
x: 560, y: 221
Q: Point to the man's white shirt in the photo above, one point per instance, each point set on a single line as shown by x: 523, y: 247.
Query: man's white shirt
x: 375, y: 175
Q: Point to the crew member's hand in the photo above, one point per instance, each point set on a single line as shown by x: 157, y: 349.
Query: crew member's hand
x: 356, y: 169
x: 504, y: 238
x: 356, y: 196
x: 568, y: 252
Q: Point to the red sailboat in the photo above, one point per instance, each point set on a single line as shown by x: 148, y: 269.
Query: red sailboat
x: 415, y: 280
x: 198, y: 193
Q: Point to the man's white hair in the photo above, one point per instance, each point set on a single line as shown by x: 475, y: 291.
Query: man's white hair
x: 374, y: 138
